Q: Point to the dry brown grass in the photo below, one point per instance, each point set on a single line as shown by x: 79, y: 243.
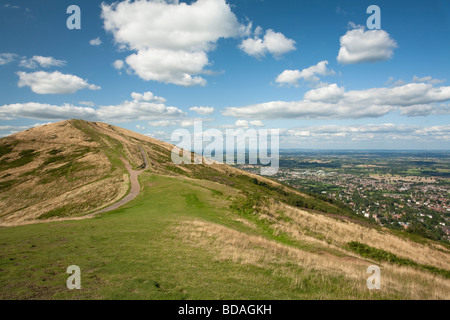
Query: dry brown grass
x: 320, y: 229
x: 228, y: 244
x: 39, y: 188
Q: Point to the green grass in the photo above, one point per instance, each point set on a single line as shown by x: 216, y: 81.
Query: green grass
x: 25, y: 157
x: 6, y: 148
x: 5, y: 185
x: 112, y: 148
x: 384, y: 256
x: 134, y: 253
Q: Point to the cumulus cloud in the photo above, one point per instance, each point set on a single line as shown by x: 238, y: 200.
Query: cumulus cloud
x: 241, y: 124
x: 177, y: 123
x: 164, y: 123
x: 257, y: 123
x: 53, y: 83
x: 95, y: 42
x: 147, y: 96
x: 334, y: 102
x: 124, y: 112
x: 137, y: 110
x: 425, y: 110
x: 6, y: 58
x: 310, y: 74
x: 331, y: 94
x: 427, y: 79
x: 377, y: 134
x: 118, y: 64
x: 204, y: 111
x: 169, y: 66
x: 170, y: 39
x: 359, y: 45
x: 87, y: 103
x: 246, y: 123
x: 44, y: 62
x: 273, y: 42
x: 43, y: 111
x: 370, y: 132
x: 395, y: 83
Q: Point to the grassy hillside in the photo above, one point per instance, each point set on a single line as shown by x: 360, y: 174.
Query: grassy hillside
x: 211, y: 232
x: 180, y: 240
x: 74, y: 167
x: 66, y: 169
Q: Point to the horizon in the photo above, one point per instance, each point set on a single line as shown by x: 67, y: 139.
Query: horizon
x: 237, y: 150
x: 324, y: 73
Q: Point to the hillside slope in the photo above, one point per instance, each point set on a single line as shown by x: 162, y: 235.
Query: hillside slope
x: 63, y: 169
x: 74, y: 167
x: 194, y: 231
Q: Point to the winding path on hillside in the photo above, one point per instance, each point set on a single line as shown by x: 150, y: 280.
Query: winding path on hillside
x: 135, y: 186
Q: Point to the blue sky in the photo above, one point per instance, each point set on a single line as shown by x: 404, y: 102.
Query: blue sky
x: 309, y: 68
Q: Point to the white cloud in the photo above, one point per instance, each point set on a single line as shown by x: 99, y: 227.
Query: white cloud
x: 147, y: 96
x: 241, y: 123
x: 204, y: 111
x: 6, y: 58
x: 123, y: 112
x: 164, y: 123
x: 118, y: 64
x: 178, y: 123
x: 87, y: 103
x: 28, y: 63
x: 171, y: 39
x: 395, y: 83
x: 253, y: 47
x: 273, y: 42
x: 7, y: 5
x: 310, y: 74
x: 136, y: 110
x: 425, y: 110
x: 95, y: 42
x: 257, y: 123
x: 169, y: 66
x: 53, y: 83
x: 331, y: 93
x: 44, y: 62
x: 427, y: 79
x: 160, y: 135
x: 358, y: 46
x: 334, y: 102
x: 375, y: 133
x: 42, y: 111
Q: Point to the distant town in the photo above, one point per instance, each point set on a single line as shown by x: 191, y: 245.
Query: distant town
x: 401, y: 190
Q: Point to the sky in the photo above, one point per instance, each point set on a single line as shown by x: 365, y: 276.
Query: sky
x: 321, y: 72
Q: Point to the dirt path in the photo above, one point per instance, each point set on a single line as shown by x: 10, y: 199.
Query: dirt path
x: 135, y: 186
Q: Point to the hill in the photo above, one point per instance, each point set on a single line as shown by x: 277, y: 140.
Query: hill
x: 193, y: 232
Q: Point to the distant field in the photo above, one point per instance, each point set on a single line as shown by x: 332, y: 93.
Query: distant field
x: 179, y: 240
